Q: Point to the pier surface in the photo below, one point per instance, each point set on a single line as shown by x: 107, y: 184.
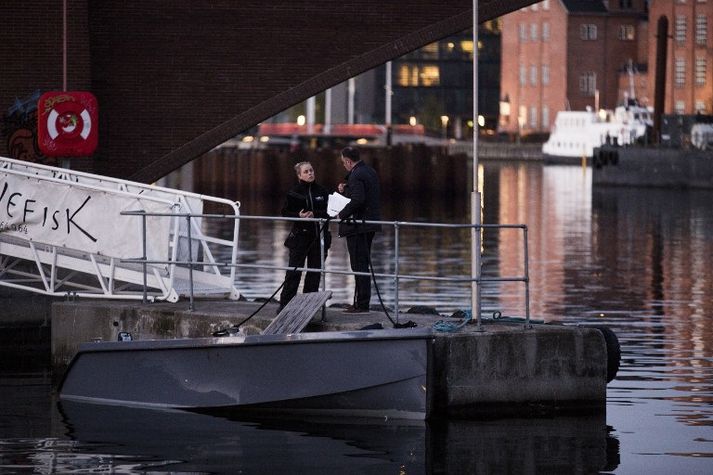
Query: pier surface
x: 505, y: 369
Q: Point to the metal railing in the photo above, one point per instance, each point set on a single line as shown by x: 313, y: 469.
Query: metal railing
x: 395, y: 276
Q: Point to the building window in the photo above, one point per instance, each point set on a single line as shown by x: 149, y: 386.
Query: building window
x: 625, y: 4
x: 680, y: 29
x: 588, y: 83
x: 533, y: 117
x: 546, y: 5
x: 701, y: 107
x: 545, y: 31
x: 627, y: 32
x: 701, y: 29
x: 533, y: 32
x: 680, y: 107
x: 533, y: 75
x: 545, y: 117
x: 700, y: 72
x: 535, y: 7
x: 588, y: 32
x: 418, y: 75
x: 679, y: 72
x: 545, y: 74
x: 523, y: 32
x: 523, y: 75
x: 467, y: 47
x: 430, y: 51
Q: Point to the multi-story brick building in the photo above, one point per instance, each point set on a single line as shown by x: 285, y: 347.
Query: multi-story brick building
x: 568, y: 54
x: 689, y: 69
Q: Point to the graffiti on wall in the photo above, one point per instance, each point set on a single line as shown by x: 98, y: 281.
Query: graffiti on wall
x: 19, y: 130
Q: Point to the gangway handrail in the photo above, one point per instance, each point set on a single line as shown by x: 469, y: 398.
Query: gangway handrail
x: 40, y: 254
x: 396, y: 276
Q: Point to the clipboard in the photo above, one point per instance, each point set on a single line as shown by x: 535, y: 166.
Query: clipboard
x: 336, y: 203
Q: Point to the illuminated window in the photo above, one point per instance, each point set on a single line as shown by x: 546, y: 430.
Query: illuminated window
x: 588, y: 32
x: 467, y: 47
x: 680, y: 28
x: 430, y: 76
x: 627, y: 32
x: 701, y: 29
x: 701, y: 67
x: 429, y: 51
x: 679, y: 72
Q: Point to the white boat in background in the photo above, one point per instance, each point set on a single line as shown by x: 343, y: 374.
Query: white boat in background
x: 576, y: 134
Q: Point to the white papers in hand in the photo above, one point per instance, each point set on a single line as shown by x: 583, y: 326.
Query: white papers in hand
x: 336, y: 203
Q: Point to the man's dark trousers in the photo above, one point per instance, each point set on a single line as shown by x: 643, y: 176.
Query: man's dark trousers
x: 359, y: 247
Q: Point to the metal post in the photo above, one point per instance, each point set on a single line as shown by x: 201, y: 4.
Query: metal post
x: 396, y: 270
x: 322, y: 275
x: 527, y: 282
x: 190, y: 266
x: 475, y: 201
x: 143, y: 255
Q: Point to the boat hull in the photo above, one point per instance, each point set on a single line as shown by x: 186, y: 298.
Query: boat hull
x: 366, y: 373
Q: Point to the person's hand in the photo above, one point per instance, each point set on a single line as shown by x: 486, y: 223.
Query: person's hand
x: 340, y: 187
x: 306, y: 214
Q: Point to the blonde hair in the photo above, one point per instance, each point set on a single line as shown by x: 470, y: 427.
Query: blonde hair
x: 298, y: 166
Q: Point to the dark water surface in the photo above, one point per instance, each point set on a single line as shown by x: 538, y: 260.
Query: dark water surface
x: 638, y: 260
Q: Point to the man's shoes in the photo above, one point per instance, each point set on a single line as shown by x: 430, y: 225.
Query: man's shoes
x: 352, y: 309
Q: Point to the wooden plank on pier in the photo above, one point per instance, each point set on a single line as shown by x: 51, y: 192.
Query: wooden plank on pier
x: 297, y: 313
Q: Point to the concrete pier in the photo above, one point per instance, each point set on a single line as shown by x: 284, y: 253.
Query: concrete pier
x: 507, y: 369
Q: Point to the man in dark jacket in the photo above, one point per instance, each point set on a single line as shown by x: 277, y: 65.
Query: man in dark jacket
x: 362, y: 188
x: 307, y: 199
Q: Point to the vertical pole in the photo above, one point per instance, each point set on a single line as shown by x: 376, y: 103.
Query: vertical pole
x: 396, y: 270
x: 328, y: 111
x: 190, y: 265
x: 323, y: 276
x: 64, y: 45
x: 475, y: 202
x: 660, y: 78
x: 351, y: 91
x: 387, y: 101
x: 527, y: 280
x: 143, y: 253
x: 311, y: 111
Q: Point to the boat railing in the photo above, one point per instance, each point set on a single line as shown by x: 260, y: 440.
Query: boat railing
x: 396, y: 276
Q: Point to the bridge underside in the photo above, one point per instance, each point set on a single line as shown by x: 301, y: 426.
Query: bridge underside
x: 174, y: 79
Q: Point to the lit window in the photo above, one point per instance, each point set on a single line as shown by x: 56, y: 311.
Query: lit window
x: 588, y: 83
x: 701, y: 67
x: 627, y: 32
x: 415, y: 75
x: 467, y: 47
x: 680, y: 107
x: 545, y: 31
x: 679, y: 72
x: 430, y: 76
x: 680, y: 28
x: 701, y: 29
x: 588, y: 32
x: 429, y: 51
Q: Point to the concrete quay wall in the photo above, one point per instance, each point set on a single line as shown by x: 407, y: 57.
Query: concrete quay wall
x: 654, y: 167
x: 506, y: 369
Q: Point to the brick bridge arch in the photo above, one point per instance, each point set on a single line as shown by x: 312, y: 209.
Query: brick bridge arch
x: 175, y: 78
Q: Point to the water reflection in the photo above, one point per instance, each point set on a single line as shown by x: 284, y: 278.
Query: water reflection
x: 123, y: 440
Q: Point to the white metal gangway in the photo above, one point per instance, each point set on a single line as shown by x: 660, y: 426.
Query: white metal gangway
x: 62, y: 232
